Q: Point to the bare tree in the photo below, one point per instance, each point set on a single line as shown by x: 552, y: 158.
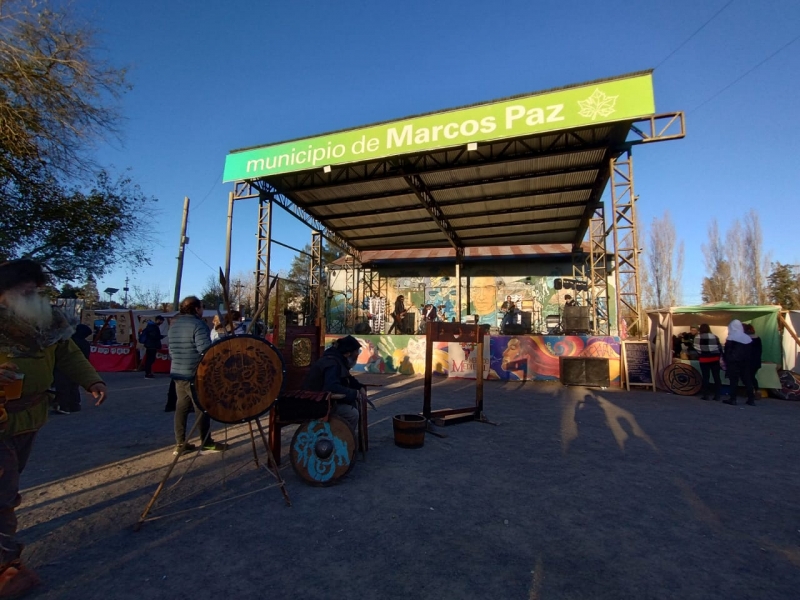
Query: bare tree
x: 716, y: 285
x: 664, y: 260
x: 756, y: 262
x: 735, y: 250
x: 151, y: 297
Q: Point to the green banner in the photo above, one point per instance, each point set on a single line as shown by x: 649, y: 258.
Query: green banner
x: 602, y: 102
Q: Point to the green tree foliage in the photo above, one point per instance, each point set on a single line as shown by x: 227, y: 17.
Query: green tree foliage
x: 783, y: 286
x: 89, y: 292
x: 57, y: 100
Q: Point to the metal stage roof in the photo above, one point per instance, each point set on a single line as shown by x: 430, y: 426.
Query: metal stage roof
x: 535, y: 190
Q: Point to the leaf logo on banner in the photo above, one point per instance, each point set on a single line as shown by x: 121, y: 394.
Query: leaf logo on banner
x: 598, y: 104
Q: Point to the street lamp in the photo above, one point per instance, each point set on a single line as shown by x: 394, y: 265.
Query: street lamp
x: 110, y: 291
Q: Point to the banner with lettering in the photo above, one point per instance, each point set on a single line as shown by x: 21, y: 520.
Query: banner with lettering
x: 109, y: 359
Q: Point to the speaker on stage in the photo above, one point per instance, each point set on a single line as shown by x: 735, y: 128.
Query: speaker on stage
x: 577, y: 370
x: 525, y: 319
x: 576, y: 319
x: 558, y: 283
x: 410, y: 323
x: 514, y: 329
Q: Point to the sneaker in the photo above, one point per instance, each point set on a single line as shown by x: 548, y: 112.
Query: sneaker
x: 16, y: 580
x: 214, y: 447
x: 57, y: 410
x: 182, y: 448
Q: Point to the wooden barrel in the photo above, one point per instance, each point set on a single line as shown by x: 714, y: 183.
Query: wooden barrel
x: 409, y: 431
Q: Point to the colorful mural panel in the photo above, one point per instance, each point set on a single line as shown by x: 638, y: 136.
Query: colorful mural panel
x: 535, y: 358
x: 514, y: 358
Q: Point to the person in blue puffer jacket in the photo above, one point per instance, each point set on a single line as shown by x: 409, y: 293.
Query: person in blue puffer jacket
x: 189, y: 337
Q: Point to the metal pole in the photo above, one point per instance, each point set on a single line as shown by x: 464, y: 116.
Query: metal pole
x: 184, y: 240
x: 458, y: 291
x: 228, y: 238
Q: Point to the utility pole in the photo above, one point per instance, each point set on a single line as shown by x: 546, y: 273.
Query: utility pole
x: 228, y: 240
x: 184, y: 240
x: 125, y: 289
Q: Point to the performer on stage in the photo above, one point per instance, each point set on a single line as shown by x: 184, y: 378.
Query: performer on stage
x: 510, y: 318
x: 331, y: 373
x: 397, y: 316
x: 570, y: 301
x: 429, y: 313
x: 505, y: 306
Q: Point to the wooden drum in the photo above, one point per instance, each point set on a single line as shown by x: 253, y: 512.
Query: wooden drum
x: 239, y: 378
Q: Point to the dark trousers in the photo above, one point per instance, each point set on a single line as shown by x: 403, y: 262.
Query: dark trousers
x: 183, y: 406
x: 14, y: 453
x: 741, y: 371
x: 397, y: 326
x: 149, y: 359
x: 711, y: 369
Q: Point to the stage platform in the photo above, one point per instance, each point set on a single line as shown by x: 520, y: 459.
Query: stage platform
x: 506, y: 357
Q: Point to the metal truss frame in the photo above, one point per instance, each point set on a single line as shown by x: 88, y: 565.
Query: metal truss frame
x: 626, y: 245
x: 263, y: 245
x: 315, y: 277
x: 598, y: 272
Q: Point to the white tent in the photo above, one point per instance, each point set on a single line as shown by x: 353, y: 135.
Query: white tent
x: 791, y: 350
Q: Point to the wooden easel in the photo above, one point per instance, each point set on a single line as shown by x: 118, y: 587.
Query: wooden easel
x: 272, y: 469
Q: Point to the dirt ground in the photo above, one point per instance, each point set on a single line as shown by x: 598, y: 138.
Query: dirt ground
x: 574, y: 493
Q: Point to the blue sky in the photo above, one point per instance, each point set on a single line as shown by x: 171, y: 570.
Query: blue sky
x: 209, y: 80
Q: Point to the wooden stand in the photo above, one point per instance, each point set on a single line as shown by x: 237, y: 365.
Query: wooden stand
x: 271, y: 468
x: 453, y: 332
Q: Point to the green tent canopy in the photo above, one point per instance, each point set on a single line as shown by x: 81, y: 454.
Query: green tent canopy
x: 764, y: 320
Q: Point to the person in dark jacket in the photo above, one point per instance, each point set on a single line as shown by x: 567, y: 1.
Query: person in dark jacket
x: 709, y: 351
x: 189, y: 337
x: 398, y: 315
x: 331, y: 373
x: 755, y: 354
x: 68, y: 394
x: 737, y: 362
x: 152, y: 344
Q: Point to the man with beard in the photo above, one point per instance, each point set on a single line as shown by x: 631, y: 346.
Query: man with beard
x: 34, y: 339
x: 331, y: 373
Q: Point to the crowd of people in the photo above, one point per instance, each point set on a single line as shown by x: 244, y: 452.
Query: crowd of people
x: 739, y: 357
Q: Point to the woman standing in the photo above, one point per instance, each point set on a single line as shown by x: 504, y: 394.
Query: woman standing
x: 737, y: 362
x: 709, y: 350
x: 755, y: 354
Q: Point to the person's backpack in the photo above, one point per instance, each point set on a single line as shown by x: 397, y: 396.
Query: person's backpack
x: 142, y: 336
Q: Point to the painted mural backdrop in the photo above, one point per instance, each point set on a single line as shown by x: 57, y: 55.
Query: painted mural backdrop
x: 534, y: 295
x: 514, y: 358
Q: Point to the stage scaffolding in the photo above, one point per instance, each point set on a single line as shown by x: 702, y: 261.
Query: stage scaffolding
x: 448, y: 185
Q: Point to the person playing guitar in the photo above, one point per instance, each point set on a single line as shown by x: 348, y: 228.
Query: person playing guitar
x: 397, y: 316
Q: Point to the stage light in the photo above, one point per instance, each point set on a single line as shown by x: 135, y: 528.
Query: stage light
x: 472, y: 146
x: 326, y: 169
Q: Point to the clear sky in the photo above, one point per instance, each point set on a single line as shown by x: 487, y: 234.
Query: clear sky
x: 211, y: 77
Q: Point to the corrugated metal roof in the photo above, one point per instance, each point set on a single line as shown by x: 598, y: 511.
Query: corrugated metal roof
x: 534, y: 190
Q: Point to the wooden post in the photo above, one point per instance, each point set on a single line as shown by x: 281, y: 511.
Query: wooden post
x: 426, y: 402
x: 176, y: 299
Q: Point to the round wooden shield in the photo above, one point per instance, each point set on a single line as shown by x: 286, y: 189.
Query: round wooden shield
x: 683, y: 379
x: 322, y: 453
x: 238, y: 378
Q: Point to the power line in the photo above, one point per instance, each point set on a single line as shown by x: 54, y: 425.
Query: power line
x: 698, y: 30
x: 201, y: 260
x: 745, y: 74
x: 213, y: 185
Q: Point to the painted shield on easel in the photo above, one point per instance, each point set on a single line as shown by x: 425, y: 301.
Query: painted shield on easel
x: 239, y: 378
x: 323, y: 452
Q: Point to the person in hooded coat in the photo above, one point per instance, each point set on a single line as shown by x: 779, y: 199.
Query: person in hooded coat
x: 737, y: 356
x: 755, y: 353
x: 331, y: 373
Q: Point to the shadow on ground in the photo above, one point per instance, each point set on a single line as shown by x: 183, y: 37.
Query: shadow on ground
x: 574, y: 493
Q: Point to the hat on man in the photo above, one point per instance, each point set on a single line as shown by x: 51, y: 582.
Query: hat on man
x: 348, y: 344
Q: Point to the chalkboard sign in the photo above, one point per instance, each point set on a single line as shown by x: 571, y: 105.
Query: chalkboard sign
x: 638, y: 364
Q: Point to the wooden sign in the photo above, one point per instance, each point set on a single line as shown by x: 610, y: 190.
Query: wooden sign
x: 637, y: 364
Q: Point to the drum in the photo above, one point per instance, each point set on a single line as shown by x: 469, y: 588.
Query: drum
x: 238, y: 378
x: 323, y: 452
